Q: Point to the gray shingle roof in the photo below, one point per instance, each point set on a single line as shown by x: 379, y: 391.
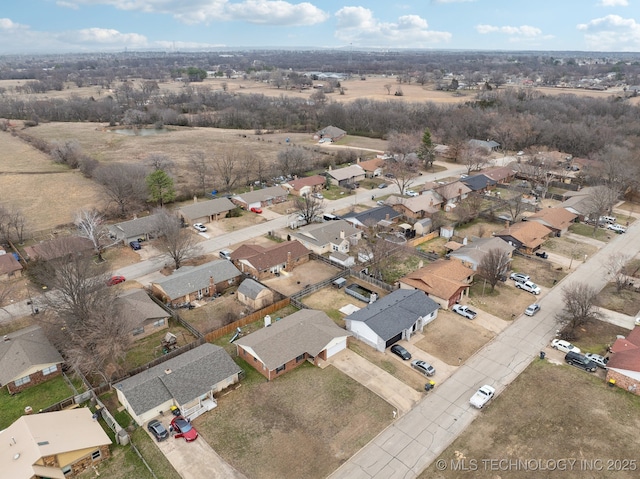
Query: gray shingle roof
x: 325, y: 233
x: 305, y: 331
x: 395, y: 312
x: 372, y: 215
x: 193, y: 278
x: 193, y: 374
x: 137, y: 307
x: 346, y: 173
x: 251, y: 288
x: 137, y: 227
x: 207, y: 208
x: 25, y: 349
x: 264, y: 194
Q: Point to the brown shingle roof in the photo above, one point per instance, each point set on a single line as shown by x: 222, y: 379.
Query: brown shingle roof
x: 56, y: 248
x: 262, y: 258
x: 530, y: 233
x: 314, y: 180
x: 371, y: 165
x: 626, y: 352
x: 442, y: 278
x: 499, y: 174
x: 8, y: 264
x: 557, y: 218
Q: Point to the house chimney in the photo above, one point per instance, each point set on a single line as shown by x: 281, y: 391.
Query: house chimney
x: 287, y: 266
x: 212, y: 287
x: 506, y: 225
x: 460, y: 191
x: 386, y: 217
x: 342, y: 234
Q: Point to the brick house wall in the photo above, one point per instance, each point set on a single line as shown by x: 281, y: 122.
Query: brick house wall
x: 266, y: 274
x: 159, y: 293
x: 36, y: 378
x: 272, y: 374
x: 624, y: 382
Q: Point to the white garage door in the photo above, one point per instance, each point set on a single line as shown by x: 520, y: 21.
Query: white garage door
x: 336, y: 348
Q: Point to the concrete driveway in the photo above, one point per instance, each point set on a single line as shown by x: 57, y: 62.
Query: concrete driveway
x: 392, y: 390
x: 194, y: 460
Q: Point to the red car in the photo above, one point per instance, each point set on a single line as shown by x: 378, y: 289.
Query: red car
x: 256, y: 210
x: 183, y: 428
x: 116, y: 280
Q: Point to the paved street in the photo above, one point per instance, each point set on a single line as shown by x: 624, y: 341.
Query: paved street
x: 410, y: 444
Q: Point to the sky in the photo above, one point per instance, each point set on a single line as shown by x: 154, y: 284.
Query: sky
x: 69, y: 26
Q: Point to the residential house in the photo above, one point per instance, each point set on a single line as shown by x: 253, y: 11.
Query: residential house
x: 188, y: 381
x: 135, y: 229
x: 261, y: 198
x: 452, y: 193
x: 501, y: 174
x: 143, y: 314
x: 206, y: 211
x: 479, y: 183
x: 346, y: 176
x: 27, y: 358
x: 557, y: 219
x: 579, y: 202
x: 191, y: 283
x: 10, y: 267
x: 472, y: 253
x: 444, y: 281
x: 372, y: 168
x: 383, y: 216
x: 396, y: 316
x: 342, y: 259
x: 623, y: 366
x: 526, y: 236
x: 262, y: 263
x: 416, y: 207
x: 60, y: 444
x: 58, y: 247
x: 304, y: 335
x: 329, y: 236
x: 255, y: 295
x: 488, y: 145
x: 306, y: 185
x: 330, y: 132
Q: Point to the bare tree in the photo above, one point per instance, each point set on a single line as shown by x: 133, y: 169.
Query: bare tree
x: 201, y: 170
x: 159, y: 161
x: 469, y: 207
x: 293, y: 160
x: 515, y: 206
x: 616, y: 267
x: 579, y: 308
x: 124, y: 185
x: 308, y: 207
x: 178, y: 242
x: 91, y: 225
x: 381, y: 255
x: 473, y: 158
x: 493, y: 266
x: 601, y: 201
x: 538, y: 170
x: 387, y: 86
x: 12, y: 225
x: 227, y: 167
x: 67, y: 152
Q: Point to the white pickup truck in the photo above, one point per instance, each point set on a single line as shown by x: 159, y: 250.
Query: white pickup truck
x: 464, y: 311
x: 482, y: 396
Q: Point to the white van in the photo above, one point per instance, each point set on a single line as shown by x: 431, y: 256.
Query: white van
x: 608, y: 219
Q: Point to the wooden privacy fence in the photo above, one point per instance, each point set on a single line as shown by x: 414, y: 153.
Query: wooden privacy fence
x: 250, y: 318
x: 424, y: 239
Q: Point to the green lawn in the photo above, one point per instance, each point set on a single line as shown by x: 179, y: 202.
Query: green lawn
x: 587, y: 230
x: 37, y: 397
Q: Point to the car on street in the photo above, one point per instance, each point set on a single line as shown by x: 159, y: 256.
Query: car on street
x: 156, y: 428
x: 400, y: 351
x: 135, y: 245
x: 183, y: 428
x: 529, y: 287
x: 382, y: 186
x: 542, y: 254
x: 617, y: 228
x: 600, y: 361
x: 482, y: 396
x: 465, y: 311
x: 115, y: 280
x: 318, y: 196
x: 520, y: 277
x: 580, y: 361
x: 532, y: 309
x: 200, y: 227
x: 256, y: 210
x: 564, y: 346
x: 411, y: 193
x: 423, y: 367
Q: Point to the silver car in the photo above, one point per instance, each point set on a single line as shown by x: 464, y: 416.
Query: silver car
x: 423, y: 367
x: 532, y: 309
x: 600, y: 361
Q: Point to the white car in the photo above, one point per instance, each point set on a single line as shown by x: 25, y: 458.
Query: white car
x: 200, y: 227
x: 411, y: 193
x: 482, y: 396
x: 617, y: 228
x: 564, y: 346
x: 532, y: 309
x: 520, y: 277
x: 529, y: 287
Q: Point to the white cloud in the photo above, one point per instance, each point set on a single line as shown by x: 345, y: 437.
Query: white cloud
x: 358, y: 25
x: 7, y: 25
x: 103, y: 37
x: 523, y: 31
x: 613, y: 3
x: 454, y: 1
x: 263, y: 12
x: 611, y: 33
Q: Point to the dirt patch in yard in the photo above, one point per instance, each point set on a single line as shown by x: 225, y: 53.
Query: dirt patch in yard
x: 533, y: 421
x: 213, y: 314
x: 303, y: 424
x: 452, y: 338
x: 626, y: 301
x: 302, y: 276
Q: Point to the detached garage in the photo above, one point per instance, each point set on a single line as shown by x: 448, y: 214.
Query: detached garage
x: 282, y: 346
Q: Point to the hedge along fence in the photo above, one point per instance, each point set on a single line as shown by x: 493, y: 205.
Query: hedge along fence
x: 251, y: 318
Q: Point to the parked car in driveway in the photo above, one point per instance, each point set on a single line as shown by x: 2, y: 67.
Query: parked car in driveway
x: 580, y: 361
x: 465, y: 311
x: 542, y: 254
x: 411, y: 193
x: 256, y: 210
x: 135, y: 245
x: 400, y: 351
x: 115, y: 280
x: 423, y: 367
x: 532, y: 309
x: 617, y: 228
x: 600, y: 361
x: 564, y: 346
x: 156, y: 428
x: 200, y: 227
x: 529, y: 287
x: 520, y: 277
x: 183, y: 428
